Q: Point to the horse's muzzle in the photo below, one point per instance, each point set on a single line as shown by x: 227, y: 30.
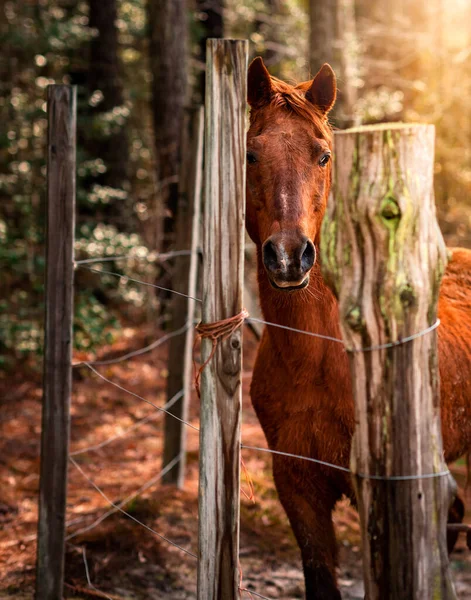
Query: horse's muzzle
x: 288, y: 257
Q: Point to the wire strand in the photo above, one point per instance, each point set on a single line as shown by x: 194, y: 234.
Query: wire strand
x: 256, y: 320
x: 118, y: 508
x: 120, y: 387
x: 345, y: 470
x: 409, y: 338
x: 152, y: 285
x: 399, y: 342
x: 129, y: 498
x: 133, y: 427
x: 311, y: 333
x: 87, y: 573
x: 134, y: 353
x: 156, y: 258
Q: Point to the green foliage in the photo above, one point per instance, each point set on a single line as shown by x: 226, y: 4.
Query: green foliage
x: 48, y: 41
x: 93, y: 325
x: 44, y: 43
x: 280, y: 36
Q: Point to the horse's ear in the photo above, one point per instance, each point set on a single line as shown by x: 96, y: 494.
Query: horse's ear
x: 323, y: 90
x: 259, y: 88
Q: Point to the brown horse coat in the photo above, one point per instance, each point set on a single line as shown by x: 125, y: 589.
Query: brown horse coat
x: 301, y: 387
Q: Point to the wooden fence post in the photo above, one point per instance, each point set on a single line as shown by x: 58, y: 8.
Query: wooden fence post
x: 384, y: 255
x: 57, y: 381
x: 223, y: 250
x: 180, y: 363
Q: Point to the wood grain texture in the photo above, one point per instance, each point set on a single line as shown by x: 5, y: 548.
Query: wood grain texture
x: 223, y: 248
x: 384, y: 255
x: 57, y: 380
x: 182, y: 310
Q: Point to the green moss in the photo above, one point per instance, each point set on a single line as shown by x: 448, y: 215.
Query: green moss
x: 354, y: 318
x: 330, y: 268
x: 347, y: 255
x: 390, y: 211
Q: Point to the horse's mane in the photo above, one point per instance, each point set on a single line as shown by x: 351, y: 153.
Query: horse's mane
x: 293, y: 97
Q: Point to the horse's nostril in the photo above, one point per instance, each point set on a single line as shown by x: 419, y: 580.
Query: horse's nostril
x: 270, y: 256
x: 308, y: 256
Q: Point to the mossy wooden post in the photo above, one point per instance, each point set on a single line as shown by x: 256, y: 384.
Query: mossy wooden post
x: 384, y: 256
x: 223, y: 278
x: 57, y: 378
x: 182, y: 310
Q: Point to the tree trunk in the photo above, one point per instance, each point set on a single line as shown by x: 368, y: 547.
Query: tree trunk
x: 212, y: 23
x: 104, y: 76
x: 270, y: 33
x: 182, y: 309
x: 168, y: 65
x: 399, y: 51
x: 333, y: 40
x: 384, y: 255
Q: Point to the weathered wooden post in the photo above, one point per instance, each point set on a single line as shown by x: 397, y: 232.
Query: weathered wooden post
x: 180, y: 363
x: 57, y: 380
x: 384, y: 256
x: 223, y: 261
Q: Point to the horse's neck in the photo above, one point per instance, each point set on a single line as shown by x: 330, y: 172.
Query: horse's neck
x: 313, y: 309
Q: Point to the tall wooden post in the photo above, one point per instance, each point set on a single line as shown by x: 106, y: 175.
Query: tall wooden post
x: 57, y: 381
x: 180, y: 363
x: 384, y: 255
x: 223, y: 249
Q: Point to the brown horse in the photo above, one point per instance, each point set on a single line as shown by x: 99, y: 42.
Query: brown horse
x: 301, y: 387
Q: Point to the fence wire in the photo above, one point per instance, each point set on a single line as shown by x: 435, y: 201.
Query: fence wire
x: 87, y: 574
x: 152, y: 346
x: 152, y: 285
x: 118, y: 507
x: 123, y: 389
x: 385, y: 346
x: 155, y: 258
x: 313, y: 334
x: 133, y: 427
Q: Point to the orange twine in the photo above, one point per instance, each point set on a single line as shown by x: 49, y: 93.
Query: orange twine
x: 251, y: 495
x: 218, y: 331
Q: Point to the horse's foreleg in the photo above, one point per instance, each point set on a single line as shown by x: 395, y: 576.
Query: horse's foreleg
x: 455, y: 515
x: 310, y: 515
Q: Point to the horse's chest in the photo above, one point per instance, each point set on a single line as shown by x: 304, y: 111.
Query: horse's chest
x: 305, y: 414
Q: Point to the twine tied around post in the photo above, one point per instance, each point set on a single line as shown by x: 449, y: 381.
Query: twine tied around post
x: 219, y: 331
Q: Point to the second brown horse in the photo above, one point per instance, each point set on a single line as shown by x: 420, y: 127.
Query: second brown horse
x: 301, y: 387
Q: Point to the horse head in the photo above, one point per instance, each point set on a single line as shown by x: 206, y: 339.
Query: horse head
x: 289, y: 145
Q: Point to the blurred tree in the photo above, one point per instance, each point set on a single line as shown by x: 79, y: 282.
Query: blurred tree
x: 45, y: 42
x: 397, y: 46
x: 415, y: 64
x: 267, y: 27
x: 168, y: 63
x: 415, y: 67
x: 277, y: 30
x: 211, y: 18
x: 106, y: 137
x: 333, y: 40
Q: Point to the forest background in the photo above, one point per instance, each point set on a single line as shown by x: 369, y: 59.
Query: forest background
x: 137, y: 65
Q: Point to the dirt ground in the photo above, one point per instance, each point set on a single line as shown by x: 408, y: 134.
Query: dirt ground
x: 125, y: 560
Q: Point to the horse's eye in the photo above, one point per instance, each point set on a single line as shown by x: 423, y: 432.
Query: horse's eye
x: 324, y: 159
x: 251, y: 158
